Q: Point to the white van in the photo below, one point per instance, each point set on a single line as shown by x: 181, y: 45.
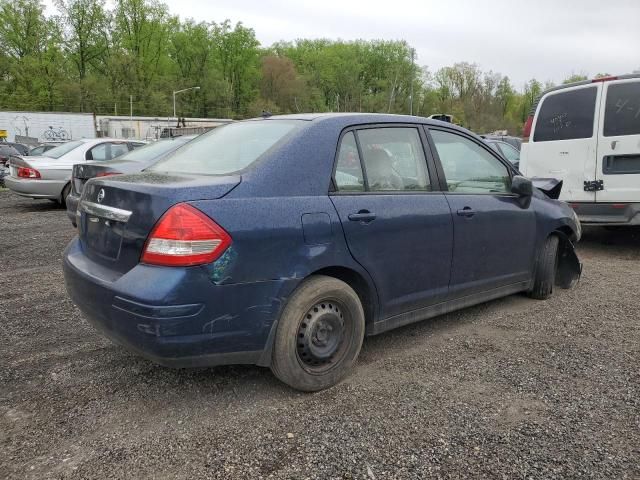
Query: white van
x: 587, y: 134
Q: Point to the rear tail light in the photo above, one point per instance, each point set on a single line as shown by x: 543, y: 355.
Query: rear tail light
x: 526, y: 131
x: 107, y: 174
x: 26, y: 172
x: 185, y: 236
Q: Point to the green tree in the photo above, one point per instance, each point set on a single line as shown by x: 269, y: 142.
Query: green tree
x: 575, y: 77
x: 237, y: 56
x: 30, y: 45
x: 140, y: 43
x: 85, y: 37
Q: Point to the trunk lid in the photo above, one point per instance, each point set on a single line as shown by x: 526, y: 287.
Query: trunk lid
x: 83, y: 172
x: 117, y: 213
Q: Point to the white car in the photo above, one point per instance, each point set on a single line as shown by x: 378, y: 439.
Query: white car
x: 587, y: 134
x: 49, y: 176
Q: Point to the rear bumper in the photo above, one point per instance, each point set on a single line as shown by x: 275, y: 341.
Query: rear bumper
x: 50, y: 189
x: 176, y: 317
x: 607, y: 213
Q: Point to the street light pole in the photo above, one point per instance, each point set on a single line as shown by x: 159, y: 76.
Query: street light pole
x: 180, y: 91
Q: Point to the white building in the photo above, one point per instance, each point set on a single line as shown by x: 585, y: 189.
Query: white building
x: 40, y: 127
x: 147, y: 128
x: 47, y: 126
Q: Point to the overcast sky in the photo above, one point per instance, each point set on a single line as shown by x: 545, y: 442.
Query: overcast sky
x: 545, y: 39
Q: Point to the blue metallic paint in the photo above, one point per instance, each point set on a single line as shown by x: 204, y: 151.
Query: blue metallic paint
x: 415, y: 255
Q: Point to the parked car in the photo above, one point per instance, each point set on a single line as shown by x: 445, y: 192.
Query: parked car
x: 132, y: 162
x: 506, y: 150
x: 6, y: 151
x: 588, y: 135
x: 21, y: 148
x: 515, y: 142
x: 40, y: 149
x: 49, y: 176
x: 257, y: 243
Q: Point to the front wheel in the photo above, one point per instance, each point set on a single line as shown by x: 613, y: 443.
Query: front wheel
x: 319, y: 335
x: 546, y: 267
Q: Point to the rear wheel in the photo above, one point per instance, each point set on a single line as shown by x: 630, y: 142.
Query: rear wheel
x: 319, y: 335
x: 546, y: 266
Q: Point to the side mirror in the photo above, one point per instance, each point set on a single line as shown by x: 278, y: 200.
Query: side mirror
x: 521, y: 186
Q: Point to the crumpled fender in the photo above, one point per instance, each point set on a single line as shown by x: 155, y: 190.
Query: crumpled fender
x: 569, y: 267
x: 550, y: 186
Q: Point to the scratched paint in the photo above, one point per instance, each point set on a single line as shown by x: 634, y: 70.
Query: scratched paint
x: 221, y: 269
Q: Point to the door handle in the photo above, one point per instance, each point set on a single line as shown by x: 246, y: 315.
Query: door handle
x: 364, y: 216
x: 466, y: 212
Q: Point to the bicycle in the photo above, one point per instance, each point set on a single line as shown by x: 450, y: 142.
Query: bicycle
x: 59, y: 134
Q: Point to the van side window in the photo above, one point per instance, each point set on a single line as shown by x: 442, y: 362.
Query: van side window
x: 622, y: 110
x: 566, y: 115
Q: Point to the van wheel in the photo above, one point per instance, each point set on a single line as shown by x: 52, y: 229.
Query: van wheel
x: 546, y: 266
x: 65, y: 193
x: 319, y: 335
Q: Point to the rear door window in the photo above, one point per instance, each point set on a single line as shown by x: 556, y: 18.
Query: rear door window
x: 118, y: 149
x: 393, y: 159
x: 99, y: 152
x: 348, y: 177
x: 622, y: 110
x: 566, y: 115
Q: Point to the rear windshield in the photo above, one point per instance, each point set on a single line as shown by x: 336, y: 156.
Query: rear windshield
x: 227, y: 149
x: 8, y: 150
x: 154, y: 150
x: 60, y: 150
x: 566, y: 116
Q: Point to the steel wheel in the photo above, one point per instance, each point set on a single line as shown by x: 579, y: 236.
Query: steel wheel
x: 321, y: 336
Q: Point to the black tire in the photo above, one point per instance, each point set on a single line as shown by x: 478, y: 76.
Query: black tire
x: 319, y: 335
x: 546, y: 266
x: 65, y: 193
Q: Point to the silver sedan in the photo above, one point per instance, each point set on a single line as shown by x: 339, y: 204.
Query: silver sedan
x: 49, y: 176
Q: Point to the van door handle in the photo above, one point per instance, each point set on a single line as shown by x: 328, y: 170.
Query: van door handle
x: 466, y: 212
x: 364, y: 216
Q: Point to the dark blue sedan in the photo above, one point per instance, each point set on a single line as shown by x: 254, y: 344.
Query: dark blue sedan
x: 282, y: 241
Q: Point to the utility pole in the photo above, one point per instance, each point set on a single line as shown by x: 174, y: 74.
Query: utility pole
x: 413, y: 52
x: 131, y: 112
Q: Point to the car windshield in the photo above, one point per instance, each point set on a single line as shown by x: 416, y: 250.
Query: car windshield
x: 227, y: 149
x: 60, y: 150
x: 154, y: 150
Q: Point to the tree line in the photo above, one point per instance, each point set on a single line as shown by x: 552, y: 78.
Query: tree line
x: 87, y: 57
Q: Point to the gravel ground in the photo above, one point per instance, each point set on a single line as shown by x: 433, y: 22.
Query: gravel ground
x: 513, y: 389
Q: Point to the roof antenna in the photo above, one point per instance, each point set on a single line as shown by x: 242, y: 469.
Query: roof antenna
x: 266, y: 114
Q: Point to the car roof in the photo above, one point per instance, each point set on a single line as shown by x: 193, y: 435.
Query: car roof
x: 564, y: 86
x: 362, y: 118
